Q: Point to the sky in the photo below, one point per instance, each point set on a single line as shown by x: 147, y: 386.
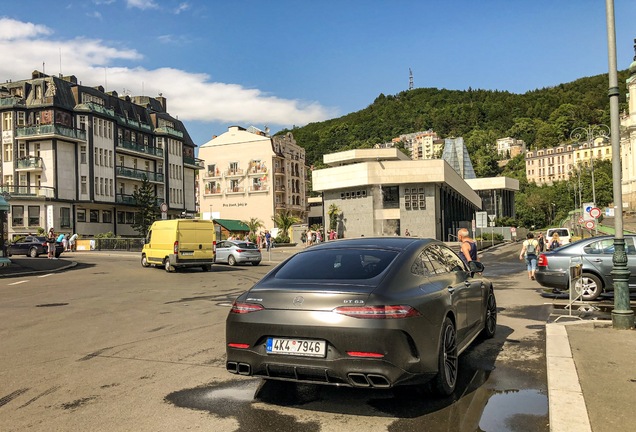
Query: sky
x: 285, y: 63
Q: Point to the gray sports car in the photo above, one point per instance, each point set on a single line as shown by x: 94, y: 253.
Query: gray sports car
x: 366, y: 312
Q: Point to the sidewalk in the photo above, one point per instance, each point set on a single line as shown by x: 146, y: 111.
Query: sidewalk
x: 591, y: 376
x: 24, y: 266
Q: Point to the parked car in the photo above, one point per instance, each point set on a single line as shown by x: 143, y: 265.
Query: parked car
x: 237, y: 252
x: 33, y: 246
x: 365, y: 312
x: 564, y: 235
x: 595, y: 255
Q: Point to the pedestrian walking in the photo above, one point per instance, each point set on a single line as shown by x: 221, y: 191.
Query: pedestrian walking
x: 529, y: 253
x: 555, y: 241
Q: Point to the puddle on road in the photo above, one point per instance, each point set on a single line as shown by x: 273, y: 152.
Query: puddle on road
x: 412, y: 408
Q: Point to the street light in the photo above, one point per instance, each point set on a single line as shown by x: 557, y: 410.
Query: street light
x: 590, y: 134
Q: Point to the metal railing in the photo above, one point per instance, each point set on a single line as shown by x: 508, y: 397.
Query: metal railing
x: 51, y: 130
x: 29, y: 162
x: 129, y: 145
x: 138, y: 174
x: 121, y: 244
x: 27, y: 191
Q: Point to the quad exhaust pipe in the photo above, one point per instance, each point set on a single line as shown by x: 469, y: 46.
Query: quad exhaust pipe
x: 238, y: 368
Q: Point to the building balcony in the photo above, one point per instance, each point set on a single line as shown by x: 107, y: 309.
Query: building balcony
x: 235, y: 190
x: 212, y: 174
x: 134, y: 148
x: 213, y: 191
x: 29, y: 164
x: 280, y: 206
x: 256, y: 188
x: 138, y: 174
x: 256, y: 172
x: 279, y: 188
x: 12, y: 101
x: 279, y: 171
x: 192, y: 162
x: 11, y: 191
x: 130, y: 199
x: 51, y: 131
x: 234, y: 172
x: 168, y: 131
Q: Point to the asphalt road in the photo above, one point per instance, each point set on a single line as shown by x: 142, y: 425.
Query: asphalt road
x: 111, y: 346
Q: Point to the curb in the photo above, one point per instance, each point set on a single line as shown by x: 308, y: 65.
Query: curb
x: 33, y: 272
x: 567, y: 409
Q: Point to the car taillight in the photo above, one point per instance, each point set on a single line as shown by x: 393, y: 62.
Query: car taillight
x: 543, y: 260
x: 378, y: 312
x: 244, y: 308
x: 240, y: 250
x: 176, y: 247
x: 214, y: 245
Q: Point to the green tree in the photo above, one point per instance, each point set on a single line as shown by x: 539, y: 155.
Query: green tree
x: 147, y: 208
x: 333, y: 212
x: 283, y: 221
x: 254, y: 224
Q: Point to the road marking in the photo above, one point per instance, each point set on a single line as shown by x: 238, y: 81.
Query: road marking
x: 18, y: 283
x: 46, y: 275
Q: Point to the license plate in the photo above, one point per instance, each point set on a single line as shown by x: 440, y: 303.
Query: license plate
x: 299, y: 347
x: 187, y: 253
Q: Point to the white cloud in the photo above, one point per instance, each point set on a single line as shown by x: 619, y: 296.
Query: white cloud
x: 94, y: 14
x: 12, y: 29
x: 191, y: 96
x: 142, y: 4
x: 182, y: 8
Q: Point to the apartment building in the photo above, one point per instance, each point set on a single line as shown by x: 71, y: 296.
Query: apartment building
x: 547, y: 166
x: 250, y: 174
x: 73, y: 156
x: 422, y: 145
x: 509, y: 147
x: 628, y: 142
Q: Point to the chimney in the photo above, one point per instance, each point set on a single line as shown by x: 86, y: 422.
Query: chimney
x: 163, y: 102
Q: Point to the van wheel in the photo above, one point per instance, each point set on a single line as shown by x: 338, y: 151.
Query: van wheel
x: 206, y: 268
x: 144, y: 261
x: 167, y: 266
x: 231, y: 260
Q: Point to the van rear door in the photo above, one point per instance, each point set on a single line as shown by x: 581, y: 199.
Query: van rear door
x: 196, y: 240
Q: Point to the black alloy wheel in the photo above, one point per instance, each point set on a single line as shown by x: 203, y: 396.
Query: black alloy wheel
x: 490, y: 322
x: 448, y: 361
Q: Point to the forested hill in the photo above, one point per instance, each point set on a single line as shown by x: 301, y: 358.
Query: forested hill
x: 542, y: 118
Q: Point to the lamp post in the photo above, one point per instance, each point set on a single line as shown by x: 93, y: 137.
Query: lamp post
x: 590, y: 134
x: 622, y: 315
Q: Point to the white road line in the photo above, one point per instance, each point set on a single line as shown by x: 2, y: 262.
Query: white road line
x: 46, y: 275
x: 18, y: 283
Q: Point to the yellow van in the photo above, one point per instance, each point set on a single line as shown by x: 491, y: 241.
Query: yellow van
x: 177, y: 243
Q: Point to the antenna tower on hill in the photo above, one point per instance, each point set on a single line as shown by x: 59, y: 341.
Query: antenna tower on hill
x: 410, y: 79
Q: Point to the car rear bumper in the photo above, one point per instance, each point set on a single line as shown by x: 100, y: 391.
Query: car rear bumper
x: 553, y: 279
x: 401, y: 360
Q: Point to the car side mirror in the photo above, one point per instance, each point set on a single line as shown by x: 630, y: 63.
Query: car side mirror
x: 475, y: 267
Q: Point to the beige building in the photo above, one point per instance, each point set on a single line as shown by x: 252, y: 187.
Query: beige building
x: 509, y: 147
x: 383, y: 192
x: 422, y: 145
x: 250, y: 174
x: 628, y: 143
x: 547, y: 166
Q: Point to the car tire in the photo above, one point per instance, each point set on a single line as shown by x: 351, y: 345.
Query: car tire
x: 144, y: 261
x: 590, y: 287
x: 33, y: 252
x: 231, y: 260
x: 206, y: 268
x: 448, y: 360
x: 57, y: 255
x: 490, y: 316
x: 255, y: 263
x: 167, y: 267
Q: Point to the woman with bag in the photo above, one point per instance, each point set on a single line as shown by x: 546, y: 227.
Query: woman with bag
x: 555, y: 242
x: 529, y: 253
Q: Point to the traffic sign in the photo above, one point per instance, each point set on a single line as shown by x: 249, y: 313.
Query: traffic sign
x: 581, y: 220
x: 589, y: 224
x: 164, y: 207
x: 595, y: 212
x: 482, y: 219
x: 513, y: 229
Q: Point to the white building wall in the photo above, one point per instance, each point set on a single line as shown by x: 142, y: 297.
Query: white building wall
x: 65, y: 165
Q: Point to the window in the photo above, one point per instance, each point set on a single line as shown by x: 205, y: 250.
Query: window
x: 107, y: 216
x: 17, y: 215
x: 130, y: 217
x: 390, y: 197
x: 121, y: 217
x: 84, y: 189
x: 65, y: 217
x: 34, y: 216
x: 7, y: 121
x: 94, y: 215
x: 21, y: 118
x: 82, y: 123
x: 101, y: 157
x: 81, y: 215
x: 8, y: 152
x: 8, y: 180
x: 22, y: 149
x: 83, y: 154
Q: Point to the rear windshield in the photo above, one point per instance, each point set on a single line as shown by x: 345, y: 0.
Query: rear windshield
x: 246, y: 245
x: 562, y: 232
x: 336, y: 264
